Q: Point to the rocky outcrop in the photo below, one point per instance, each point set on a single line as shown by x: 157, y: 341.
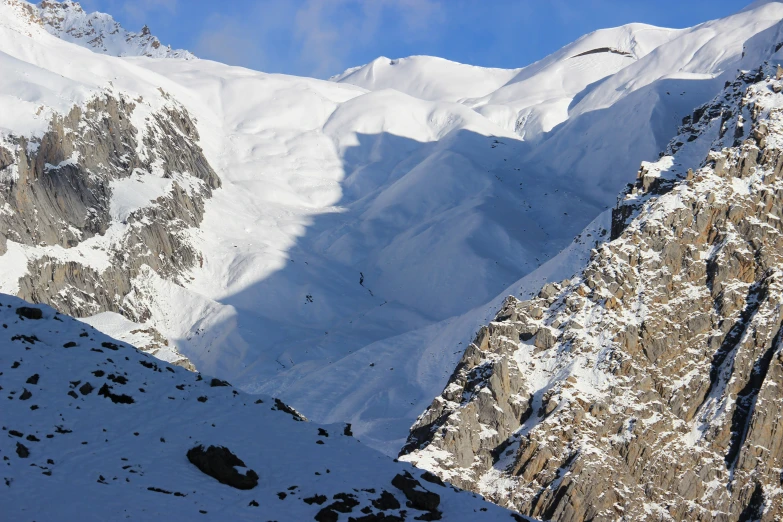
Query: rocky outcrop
x: 219, y: 463
x: 648, y: 386
x: 98, y: 32
x: 63, y: 196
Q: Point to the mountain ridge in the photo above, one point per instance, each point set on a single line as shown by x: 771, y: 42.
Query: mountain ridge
x: 99, y: 32
x: 662, y: 358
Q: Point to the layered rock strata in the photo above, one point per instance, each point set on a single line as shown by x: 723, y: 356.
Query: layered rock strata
x: 69, y: 200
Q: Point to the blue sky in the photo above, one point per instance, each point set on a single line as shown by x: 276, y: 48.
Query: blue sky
x: 323, y: 37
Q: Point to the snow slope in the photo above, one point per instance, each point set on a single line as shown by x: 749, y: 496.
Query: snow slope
x: 92, y: 429
x: 360, y: 235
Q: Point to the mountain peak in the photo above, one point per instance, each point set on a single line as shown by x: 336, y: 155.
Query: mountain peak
x: 98, y: 32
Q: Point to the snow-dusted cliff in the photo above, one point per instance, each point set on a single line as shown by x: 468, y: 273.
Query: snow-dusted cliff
x: 648, y: 385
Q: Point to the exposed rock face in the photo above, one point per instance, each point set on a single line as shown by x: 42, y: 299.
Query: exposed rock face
x: 66, y: 195
x: 649, y: 386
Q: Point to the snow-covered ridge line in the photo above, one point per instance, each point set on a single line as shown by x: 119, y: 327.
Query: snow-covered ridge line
x: 96, y: 31
x: 516, y: 98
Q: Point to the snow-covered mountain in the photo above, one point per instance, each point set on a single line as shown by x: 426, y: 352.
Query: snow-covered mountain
x: 529, y: 101
x: 93, y: 429
x: 98, y: 32
x: 339, y: 243
x: 327, y: 242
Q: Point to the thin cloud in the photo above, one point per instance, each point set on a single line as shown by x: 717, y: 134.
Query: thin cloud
x: 229, y: 41
x: 260, y: 39
x: 139, y: 10
x: 131, y: 11
x: 330, y: 30
x: 315, y: 37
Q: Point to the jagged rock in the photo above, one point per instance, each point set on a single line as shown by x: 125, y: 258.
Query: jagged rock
x: 219, y: 463
x: 652, y: 388
x: 99, y: 31
x: 281, y: 406
x: 116, y: 398
x: 549, y: 291
x: 544, y: 339
x: 386, y: 501
x: 22, y: 450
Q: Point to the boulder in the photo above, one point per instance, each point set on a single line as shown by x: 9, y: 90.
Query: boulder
x: 219, y: 463
x: 28, y: 312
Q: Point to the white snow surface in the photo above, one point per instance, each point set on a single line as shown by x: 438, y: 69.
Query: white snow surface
x: 441, y: 187
x: 107, y: 429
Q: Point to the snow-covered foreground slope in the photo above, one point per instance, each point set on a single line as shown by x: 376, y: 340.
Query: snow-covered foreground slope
x: 360, y: 235
x: 93, y: 429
